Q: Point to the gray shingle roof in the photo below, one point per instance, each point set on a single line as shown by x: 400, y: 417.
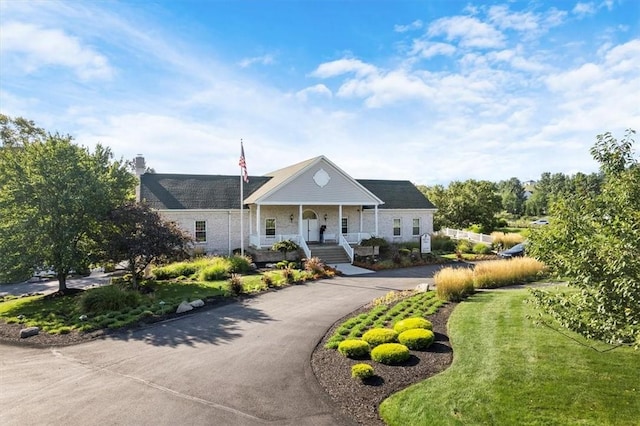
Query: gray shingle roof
x: 397, y: 194
x: 177, y: 191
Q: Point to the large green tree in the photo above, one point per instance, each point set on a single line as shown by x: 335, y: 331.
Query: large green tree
x: 594, y: 241
x: 54, y: 195
x: 512, y: 194
x: 463, y: 204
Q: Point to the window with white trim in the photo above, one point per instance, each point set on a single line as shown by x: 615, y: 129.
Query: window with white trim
x: 270, y: 226
x: 397, y: 228
x: 416, y: 226
x: 345, y: 225
x: 201, y: 231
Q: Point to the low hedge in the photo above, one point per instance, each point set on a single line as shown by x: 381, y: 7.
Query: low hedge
x: 417, y: 338
x: 378, y: 336
x: 390, y: 353
x: 411, y: 323
x: 361, y: 371
x: 354, y: 348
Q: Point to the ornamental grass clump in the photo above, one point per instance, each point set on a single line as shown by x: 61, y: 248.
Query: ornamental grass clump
x: 454, y: 284
x: 235, y: 284
x: 390, y: 353
x: 108, y: 298
x: 353, y: 348
x: 500, y: 273
x: 506, y: 240
x: 361, y: 371
x: 411, y: 323
x: 417, y: 339
x: 378, y: 336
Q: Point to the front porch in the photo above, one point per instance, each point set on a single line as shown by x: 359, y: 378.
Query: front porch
x: 328, y: 251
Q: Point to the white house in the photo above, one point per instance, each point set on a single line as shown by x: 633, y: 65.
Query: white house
x: 296, y: 202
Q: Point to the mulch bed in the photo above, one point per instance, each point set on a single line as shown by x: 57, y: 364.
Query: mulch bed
x: 360, y: 400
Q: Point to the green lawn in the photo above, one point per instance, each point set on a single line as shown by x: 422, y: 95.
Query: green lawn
x: 508, y: 371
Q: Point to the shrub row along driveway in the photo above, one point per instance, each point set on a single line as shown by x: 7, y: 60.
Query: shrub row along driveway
x: 244, y: 363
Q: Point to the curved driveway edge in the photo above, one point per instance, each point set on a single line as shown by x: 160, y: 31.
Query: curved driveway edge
x: 245, y: 363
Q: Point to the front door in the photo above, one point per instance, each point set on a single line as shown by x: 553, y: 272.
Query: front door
x: 310, y: 231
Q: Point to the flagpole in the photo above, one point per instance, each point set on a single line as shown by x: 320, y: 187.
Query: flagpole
x: 241, y: 199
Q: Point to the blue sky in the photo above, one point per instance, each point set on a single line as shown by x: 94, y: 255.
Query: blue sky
x: 429, y: 91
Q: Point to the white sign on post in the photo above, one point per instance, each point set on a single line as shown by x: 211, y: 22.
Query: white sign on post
x: 425, y: 243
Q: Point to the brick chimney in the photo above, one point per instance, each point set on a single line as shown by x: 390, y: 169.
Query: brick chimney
x: 140, y: 167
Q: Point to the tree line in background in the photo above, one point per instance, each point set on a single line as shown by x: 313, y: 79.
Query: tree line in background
x: 65, y: 208
x: 486, y: 205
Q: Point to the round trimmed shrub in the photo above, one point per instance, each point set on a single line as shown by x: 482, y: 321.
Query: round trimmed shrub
x: 378, y: 336
x: 361, y: 371
x: 354, y: 348
x: 411, y: 323
x: 417, y: 338
x: 390, y: 353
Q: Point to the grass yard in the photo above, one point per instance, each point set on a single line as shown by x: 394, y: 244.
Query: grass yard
x: 508, y: 371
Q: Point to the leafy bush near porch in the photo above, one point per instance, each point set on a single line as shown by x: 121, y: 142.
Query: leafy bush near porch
x: 353, y: 348
x: 390, y: 353
x: 218, y: 270
x: 361, y: 371
x: 378, y: 336
x: 411, y: 323
x: 417, y: 338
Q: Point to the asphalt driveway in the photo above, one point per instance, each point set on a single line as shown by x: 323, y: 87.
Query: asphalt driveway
x: 246, y: 363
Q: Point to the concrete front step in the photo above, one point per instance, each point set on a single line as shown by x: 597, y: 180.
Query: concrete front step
x: 330, y: 254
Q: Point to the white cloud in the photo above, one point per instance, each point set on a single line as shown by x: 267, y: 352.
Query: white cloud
x: 415, y: 25
x: 506, y: 19
x: 343, y: 66
x: 427, y: 49
x: 262, y: 60
x: 469, y: 31
x: 584, y: 9
x: 318, y: 89
x: 36, y: 47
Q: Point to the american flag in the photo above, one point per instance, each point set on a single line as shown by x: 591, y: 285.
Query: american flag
x: 243, y: 164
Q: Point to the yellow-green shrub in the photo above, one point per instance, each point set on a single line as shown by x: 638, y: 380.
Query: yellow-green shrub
x: 411, y: 323
x: 361, y: 371
x: 417, y: 338
x: 378, y: 336
x: 390, y: 353
x: 454, y: 284
x: 354, y: 348
x: 500, y: 273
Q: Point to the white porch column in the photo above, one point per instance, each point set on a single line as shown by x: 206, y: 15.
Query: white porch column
x: 300, y: 221
x: 360, y: 214
x: 339, y: 221
x: 250, y: 222
x: 258, y: 225
x: 376, y: 211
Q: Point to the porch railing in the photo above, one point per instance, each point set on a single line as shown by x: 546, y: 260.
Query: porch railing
x: 347, y: 248
x: 356, y: 237
x: 266, y: 241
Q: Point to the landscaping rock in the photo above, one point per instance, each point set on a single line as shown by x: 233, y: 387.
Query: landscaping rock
x: 198, y: 303
x: 83, y: 318
x: 183, y: 307
x: 422, y: 288
x: 29, y: 331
